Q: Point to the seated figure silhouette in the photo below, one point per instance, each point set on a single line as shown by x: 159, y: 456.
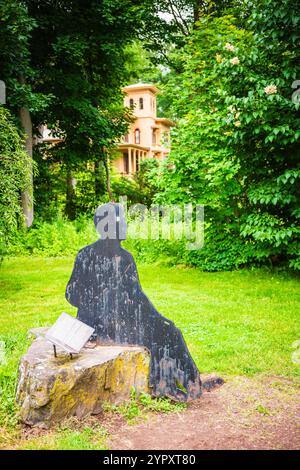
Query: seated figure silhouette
x: 105, y: 288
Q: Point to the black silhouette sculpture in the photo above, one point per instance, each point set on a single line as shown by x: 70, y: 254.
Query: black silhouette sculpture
x: 105, y: 288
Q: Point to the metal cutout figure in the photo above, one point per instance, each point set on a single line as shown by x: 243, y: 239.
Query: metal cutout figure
x: 105, y: 288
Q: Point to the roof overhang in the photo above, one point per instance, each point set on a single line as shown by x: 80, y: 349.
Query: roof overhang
x: 165, y: 121
x: 140, y: 87
x: 133, y: 146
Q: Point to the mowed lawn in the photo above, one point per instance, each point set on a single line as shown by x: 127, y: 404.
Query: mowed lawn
x: 241, y: 323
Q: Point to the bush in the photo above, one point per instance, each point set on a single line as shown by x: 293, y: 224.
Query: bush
x: 223, y: 250
x: 58, y: 238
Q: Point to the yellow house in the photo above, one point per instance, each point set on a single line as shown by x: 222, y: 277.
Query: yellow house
x: 149, y: 136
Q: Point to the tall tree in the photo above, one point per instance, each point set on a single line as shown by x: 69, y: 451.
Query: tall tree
x: 79, y: 45
x: 15, y: 33
x: 236, y: 148
x: 64, y: 63
x: 14, y: 177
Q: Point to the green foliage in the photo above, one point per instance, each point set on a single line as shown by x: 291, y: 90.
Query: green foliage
x: 146, y: 181
x: 138, y: 63
x: 268, y: 136
x: 50, y: 188
x: 160, y: 405
x: 263, y: 410
x: 72, y: 64
x: 139, y: 405
x: 57, y: 238
x: 83, y: 53
x: 236, y: 147
x: 61, y: 237
x: 14, y: 177
x: 65, y: 63
x: 14, y: 347
x: 72, y: 434
x: 17, y: 69
x: 221, y: 251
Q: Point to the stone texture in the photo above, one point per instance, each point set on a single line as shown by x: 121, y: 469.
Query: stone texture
x: 51, y: 389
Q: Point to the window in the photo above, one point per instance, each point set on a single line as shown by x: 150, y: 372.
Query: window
x: 131, y: 103
x: 141, y: 103
x: 137, y: 136
x: 153, y: 104
x: 126, y: 139
x: 154, y: 136
x: 166, y: 138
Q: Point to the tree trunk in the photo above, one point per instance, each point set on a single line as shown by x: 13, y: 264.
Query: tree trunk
x: 199, y: 6
x: 27, y: 195
x: 106, y: 165
x: 99, y: 179
x: 71, y: 195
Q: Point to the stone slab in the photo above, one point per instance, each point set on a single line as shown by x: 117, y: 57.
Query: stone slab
x: 51, y: 389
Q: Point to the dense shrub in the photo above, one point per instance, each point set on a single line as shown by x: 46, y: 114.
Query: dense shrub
x: 63, y: 238
x: 58, y: 238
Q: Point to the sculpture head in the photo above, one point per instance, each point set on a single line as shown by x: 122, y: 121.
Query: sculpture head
x: 110, y: 221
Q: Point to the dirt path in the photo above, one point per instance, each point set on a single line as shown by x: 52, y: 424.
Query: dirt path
x: 242, y: 414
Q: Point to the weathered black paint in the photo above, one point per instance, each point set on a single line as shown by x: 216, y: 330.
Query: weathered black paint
x: 105, y: 288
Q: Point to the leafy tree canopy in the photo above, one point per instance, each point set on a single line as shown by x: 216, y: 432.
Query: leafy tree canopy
x: 236, y: 147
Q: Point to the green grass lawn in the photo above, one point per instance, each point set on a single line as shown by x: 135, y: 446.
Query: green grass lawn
x: 240, y: 323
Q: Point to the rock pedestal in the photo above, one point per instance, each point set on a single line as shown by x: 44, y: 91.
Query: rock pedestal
x: 54, y: 388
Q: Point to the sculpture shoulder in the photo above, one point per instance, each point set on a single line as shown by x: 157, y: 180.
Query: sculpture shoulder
x: 127, y: 256
x: 97, y: 249
x: 85, y: 251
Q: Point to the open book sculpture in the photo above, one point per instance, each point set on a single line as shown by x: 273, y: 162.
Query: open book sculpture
x: 105, y: 288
